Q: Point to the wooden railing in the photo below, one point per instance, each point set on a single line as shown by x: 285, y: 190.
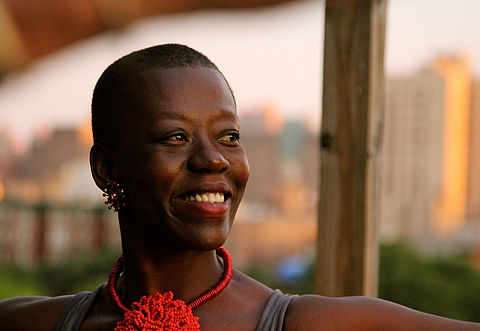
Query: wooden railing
x: 32, y: 234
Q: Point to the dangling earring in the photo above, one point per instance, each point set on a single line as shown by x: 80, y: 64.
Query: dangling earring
x: 115, y: 195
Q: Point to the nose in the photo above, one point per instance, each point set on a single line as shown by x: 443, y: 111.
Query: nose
x: 206, y: 158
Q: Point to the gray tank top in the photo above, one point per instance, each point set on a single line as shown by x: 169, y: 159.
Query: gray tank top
x: 77, y: 308
x: 273, y: 315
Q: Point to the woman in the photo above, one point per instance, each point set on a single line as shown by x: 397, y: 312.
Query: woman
x: 168, y: 156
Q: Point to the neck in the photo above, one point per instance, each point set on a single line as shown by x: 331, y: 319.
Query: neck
x: 151, y: 266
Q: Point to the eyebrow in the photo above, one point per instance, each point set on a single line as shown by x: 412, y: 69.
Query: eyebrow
x: 169, y: 114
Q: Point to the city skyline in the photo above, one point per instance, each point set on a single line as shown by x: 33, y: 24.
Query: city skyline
x: 280, y: 57
x: 430, y: 189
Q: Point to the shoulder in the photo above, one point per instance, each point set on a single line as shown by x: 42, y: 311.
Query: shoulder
x: 31, y: 313
x: 314, y: 312
x: 248, y: 291
x: 242, y: 304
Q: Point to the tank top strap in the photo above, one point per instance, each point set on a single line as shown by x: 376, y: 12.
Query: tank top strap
x: 273, y: 315
x: 76, y: 309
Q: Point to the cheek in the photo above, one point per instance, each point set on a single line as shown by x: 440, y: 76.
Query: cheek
x: 162, y: 172
x: 152, y: 176
x: 242, y: 172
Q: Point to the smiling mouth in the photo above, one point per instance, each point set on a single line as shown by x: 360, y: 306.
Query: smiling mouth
x: 211, y: 197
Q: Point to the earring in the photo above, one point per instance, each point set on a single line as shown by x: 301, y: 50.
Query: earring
x: 115, y: 195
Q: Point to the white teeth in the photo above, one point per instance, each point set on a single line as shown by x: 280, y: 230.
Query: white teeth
x: 211, y: 197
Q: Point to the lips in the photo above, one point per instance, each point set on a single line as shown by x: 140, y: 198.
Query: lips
x: 206, y: 199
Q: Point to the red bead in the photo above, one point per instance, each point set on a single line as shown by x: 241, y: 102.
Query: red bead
x: 160, y: 311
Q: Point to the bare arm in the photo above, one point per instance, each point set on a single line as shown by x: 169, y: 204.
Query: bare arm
x: 31, y: 313
x: 313, y: 312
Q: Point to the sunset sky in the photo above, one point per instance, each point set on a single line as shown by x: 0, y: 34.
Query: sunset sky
x: 271, y: 57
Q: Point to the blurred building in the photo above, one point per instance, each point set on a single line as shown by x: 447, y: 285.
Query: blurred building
x: 473, y: 196
x: 278, y: 214
x: 55, y: 168
x: 430, y: 156
x: 412, y: 154
x: 284, y: 162
x: 451, y: 206
x: 260, y: 131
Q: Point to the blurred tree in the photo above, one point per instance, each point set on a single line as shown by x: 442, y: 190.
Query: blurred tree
x: 82, y: 274
x: 444, y: 285
x: 16, y: 282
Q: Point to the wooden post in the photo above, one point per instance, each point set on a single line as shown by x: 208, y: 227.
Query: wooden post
x: 40, y: 233
x: 347, y: 252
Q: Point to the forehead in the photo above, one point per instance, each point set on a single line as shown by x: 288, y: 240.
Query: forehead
x: 184, y: 91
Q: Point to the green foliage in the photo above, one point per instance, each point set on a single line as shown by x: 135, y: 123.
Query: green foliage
x: 444, y: 285
x: 83, y: 273
x: 17, y: 282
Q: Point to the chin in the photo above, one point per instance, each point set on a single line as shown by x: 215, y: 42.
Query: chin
x: 209, y: 239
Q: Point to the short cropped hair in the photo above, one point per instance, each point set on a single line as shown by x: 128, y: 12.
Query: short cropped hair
x: 111, y: 97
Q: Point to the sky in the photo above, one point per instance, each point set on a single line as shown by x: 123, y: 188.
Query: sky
x: 271, y: 57
x: 418, y: 30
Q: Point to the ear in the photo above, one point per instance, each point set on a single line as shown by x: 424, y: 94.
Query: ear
x: 101, y: 165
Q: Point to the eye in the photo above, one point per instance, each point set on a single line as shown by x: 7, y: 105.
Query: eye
x: 230, y: 138
x: 177, y: 137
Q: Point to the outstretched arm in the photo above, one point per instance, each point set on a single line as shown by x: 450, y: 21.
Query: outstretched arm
x: 31, y: 313
x: 312, y: 312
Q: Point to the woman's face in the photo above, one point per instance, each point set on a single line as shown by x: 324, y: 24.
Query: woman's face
x: 183, y: 169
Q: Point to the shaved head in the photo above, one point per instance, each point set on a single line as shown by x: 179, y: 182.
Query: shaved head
x: 114, y: 98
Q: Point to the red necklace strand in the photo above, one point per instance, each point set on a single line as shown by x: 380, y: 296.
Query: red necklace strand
x: 160, y: 311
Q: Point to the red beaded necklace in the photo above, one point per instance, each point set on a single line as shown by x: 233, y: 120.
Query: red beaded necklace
x: 160, y: 311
